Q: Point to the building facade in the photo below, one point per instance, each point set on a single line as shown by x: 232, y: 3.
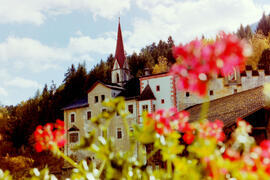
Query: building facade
x: 147, y: 93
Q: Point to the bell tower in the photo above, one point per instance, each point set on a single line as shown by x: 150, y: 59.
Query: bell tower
x: 120, y: 70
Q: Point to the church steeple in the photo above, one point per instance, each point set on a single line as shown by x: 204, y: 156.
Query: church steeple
x: 119, y: 52
x: 120, y: 71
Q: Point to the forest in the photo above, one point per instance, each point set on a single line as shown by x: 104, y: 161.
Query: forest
x: 17, y: 123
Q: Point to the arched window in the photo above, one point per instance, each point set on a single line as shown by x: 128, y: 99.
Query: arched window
x: 117, y: 77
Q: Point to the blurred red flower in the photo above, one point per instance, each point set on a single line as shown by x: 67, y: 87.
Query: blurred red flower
x: 168, y: 120
x: 212, y: 129
x: 200, y: 61
x: 50, y: 136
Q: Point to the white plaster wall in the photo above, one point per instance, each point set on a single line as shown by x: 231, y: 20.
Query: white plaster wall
x: 267, y: 78
x: 217, y: 85
x: 165, y: 84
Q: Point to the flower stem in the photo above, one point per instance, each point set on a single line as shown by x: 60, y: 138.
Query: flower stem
x: 205, y: 108
x: 69, y: 160
x: 101, y: 168
x: 152, y: 153
x: 169, y: 168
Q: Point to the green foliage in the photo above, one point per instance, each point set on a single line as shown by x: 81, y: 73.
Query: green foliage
x: 149, y: 56
x: 162, y: 65
x: 5, y: 175
x: 259, y: 43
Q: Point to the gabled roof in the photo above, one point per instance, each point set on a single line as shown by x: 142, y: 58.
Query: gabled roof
x: 229, y: 108
x: 132, y: 89
x: 119, y: 52
x: 77, y: 104
x: 73, y: 128
x: 111, y: 86
x: 147, y: 94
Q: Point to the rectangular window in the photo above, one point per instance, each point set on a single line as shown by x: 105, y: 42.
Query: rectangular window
x: 96, y: 99
x: 158, y: 88
x: 102, y: 97
x: 162, y: 101
x: 88, y: 115
x: 187, y: 94
x: 104, y: 110
x: 72, y: 118
x: 119, y: 133
x: 235, y: 91
x: 73, y: 137
x: 130, y: 108
x: 211, y: 92
x: 154, y: 107
x: 145, y: 107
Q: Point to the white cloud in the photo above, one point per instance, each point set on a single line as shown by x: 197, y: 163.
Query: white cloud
x: 30, y: 54
x: 3, y: 92
x: 26, y: 53
x: 186, y: 20
x: 22, y: 83
x: 16, y: 48
x: 86, y: 44
x: 36, y: 11
x: 78, y: 33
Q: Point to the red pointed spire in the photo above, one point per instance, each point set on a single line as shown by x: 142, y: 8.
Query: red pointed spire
x: 119, y: 52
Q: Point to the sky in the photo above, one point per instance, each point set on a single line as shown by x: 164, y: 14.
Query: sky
x: 40, y: 39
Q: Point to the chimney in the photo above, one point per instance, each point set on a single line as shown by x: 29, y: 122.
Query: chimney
x: 249, y: 71
x: 146, y: 71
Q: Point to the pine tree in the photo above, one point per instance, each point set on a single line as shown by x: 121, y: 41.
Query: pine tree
x: 264, y: 25
x: 244, y: 32
x: 241, y: 32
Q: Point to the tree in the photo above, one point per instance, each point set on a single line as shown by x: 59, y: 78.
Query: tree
x: 244, y: 32
x: 162, y: 65
x: 259, y: 43
x: 264, y: 25
x: 248, y: 32
x: 265, y: 60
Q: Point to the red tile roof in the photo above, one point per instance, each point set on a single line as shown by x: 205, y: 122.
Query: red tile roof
x: 119, y: 52
x: 229, y: 108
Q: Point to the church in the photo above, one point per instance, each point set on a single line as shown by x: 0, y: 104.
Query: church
x: 158, y: 91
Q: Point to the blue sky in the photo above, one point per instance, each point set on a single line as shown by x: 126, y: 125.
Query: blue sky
x: 40, y: 39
